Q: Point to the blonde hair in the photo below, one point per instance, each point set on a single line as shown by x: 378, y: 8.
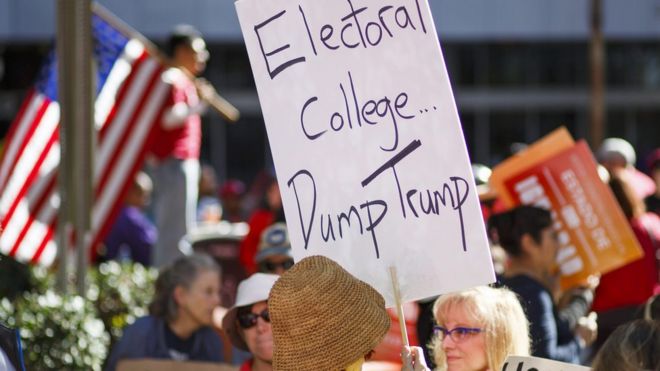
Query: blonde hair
x: 498, y: 312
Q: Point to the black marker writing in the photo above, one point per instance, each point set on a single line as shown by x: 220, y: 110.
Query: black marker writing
x: 375, y: 212
x: 274, y: 72
x: 352, y: 116
x: 306, y: 231
x: 456, y: 196
x: 519, y: 368
x: 363, y: 27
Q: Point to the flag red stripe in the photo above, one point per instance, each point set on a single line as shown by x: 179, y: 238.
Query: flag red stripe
x: 28, y: 135
x: 119, y: 146
x: 14, y: 125
x: 30, y: 178
x: 122, y: 94
x: 34, y: 211
x: 135, y: 96
x: 137, y: 164
x: 47, y: 238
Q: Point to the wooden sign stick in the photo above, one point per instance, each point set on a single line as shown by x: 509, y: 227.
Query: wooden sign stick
x: 399, y: 306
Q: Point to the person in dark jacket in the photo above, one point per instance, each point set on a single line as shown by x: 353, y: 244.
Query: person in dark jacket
x: 133, y: 234
x: 528, y: 236
x: 178, y: 327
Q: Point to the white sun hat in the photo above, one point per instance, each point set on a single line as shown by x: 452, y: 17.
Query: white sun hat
x: 250, y: 291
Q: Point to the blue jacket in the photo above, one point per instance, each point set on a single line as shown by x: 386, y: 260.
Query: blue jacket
x: 551, y: 335
x: 146, y: 339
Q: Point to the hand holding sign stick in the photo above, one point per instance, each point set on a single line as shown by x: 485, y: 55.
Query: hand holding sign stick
x: 412, y: 358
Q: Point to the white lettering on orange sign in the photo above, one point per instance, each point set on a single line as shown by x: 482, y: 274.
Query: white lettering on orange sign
x: 585, y: 209
x: 531, y: 192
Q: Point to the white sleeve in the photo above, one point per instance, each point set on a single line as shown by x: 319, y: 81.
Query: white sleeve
x: 176, y: 115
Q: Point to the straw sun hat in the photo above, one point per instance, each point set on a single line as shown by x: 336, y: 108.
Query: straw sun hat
x: 323, y: 318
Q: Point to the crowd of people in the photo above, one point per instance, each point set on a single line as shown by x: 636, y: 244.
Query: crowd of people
x: 314, y: 315
x: 317, y: 316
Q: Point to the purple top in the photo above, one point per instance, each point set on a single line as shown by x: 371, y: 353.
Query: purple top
x: 132, y: 232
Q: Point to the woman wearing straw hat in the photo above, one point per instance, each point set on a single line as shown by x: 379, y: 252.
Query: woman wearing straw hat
x: 248, y: 323
x: 323, y: 318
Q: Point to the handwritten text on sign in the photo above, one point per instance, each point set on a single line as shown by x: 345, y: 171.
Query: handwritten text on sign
x: 519, y: 363
x: 366, y: 140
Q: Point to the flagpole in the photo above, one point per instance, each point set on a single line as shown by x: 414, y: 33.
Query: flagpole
x: 597, y: 69
x: 85, y: 96
x: 65, y: 168
x: 217, y: 102
x: 76, y: 98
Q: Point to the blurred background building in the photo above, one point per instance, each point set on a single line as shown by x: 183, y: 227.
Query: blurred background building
x: 519, y: 68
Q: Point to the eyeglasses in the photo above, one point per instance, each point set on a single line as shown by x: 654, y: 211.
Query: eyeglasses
x: 272, y: 267
x: 457, y: 334
x: 248, y: 320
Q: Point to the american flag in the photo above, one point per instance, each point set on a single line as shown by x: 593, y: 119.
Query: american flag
x: 129, y: 98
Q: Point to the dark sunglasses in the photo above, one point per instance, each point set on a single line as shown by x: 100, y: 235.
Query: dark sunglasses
x: 272, y: 267
x: 247, y: 320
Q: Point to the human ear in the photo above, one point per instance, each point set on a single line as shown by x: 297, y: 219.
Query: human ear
x: 179, y: 294
x: 527, y: 244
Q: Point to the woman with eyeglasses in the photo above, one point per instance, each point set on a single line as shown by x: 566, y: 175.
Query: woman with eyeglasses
x: 247, y: 323
x: 477, y: 329
x: 179, y: 325
x: 528, y: 236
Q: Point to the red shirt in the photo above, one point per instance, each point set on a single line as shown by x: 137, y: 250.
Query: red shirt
x: 635, y: 282
x: 182, y: 140
x: 259, y: 221
x: 247, y: 365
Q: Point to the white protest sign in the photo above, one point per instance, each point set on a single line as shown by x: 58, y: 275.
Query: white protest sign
x: 519, y: 363
x: 366, y: 140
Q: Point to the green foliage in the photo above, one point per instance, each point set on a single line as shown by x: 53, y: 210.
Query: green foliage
x: 71, y: 332
x: 7, y: 312
x: 59, y: 332
x: 122, y: 293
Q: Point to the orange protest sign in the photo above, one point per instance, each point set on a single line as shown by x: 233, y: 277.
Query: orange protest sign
x: 594, y: 234
x: 548, y: 146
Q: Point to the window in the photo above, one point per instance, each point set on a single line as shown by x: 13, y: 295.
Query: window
x: 506, y: 128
